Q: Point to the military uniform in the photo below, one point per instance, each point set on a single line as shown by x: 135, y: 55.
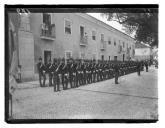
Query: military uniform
x: 138, y: 68
x: 50, y: 72
x: 116, y: 69
x: 42, y: 73
x: 56, y: 78
x: 71, y: 70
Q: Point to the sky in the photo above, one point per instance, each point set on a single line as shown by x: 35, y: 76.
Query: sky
x: 111, y: 23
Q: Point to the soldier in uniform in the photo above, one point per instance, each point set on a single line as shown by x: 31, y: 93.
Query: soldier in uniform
x: 56, y: 79
x: 71, y: 70
x: 116, y: 69
x: 50, y: 72
x: 74, y: 73
x: 41, y: 72
x: 146, y: 65
x: 77, y: 73
x: 138, y: 68
x: 65, y: 75
x: 97, y: 71
x: 87, y: 71
x: 94, y: 72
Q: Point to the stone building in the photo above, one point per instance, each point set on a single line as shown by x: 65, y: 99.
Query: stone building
x: 65, y: 35
x: 142, y: 52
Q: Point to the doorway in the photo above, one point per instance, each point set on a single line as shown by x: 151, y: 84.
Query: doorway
x: 102, y: 57
x: 115, y: 58
x: 123, y: 57
x: 47, y: 56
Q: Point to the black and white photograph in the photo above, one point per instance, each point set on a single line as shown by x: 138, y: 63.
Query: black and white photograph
x: 89, y: 63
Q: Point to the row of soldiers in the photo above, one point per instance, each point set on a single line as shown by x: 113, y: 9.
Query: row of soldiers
x: 81, y: 72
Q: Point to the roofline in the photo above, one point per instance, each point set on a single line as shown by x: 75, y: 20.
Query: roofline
x: 109, y: 26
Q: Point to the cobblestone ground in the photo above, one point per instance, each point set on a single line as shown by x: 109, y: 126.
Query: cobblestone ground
x: 134, y: 98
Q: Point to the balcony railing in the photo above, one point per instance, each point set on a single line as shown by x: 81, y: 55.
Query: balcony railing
x: 83, y: 40
x: 103, y: 45
x: 48, y: 31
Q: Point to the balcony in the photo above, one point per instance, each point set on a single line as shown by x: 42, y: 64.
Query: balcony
x: 103, y: 45
x: 83, y: 40
x: 47, y: 32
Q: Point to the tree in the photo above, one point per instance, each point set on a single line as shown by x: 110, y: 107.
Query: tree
x: 144, y: 24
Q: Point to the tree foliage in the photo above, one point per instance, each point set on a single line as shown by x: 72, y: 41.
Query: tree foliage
x: 143, y: 24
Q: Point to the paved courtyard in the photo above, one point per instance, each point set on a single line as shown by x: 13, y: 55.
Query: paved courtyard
x: 133, y: 98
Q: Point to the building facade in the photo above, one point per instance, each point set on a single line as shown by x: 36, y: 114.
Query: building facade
x: 142, y: 52
x: 65, y: 35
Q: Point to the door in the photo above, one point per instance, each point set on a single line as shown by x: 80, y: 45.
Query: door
x: 123, y: 57
x: 47, y: 56
x: 115, y: 58
x: 102, y: 57
x: 109, y: 57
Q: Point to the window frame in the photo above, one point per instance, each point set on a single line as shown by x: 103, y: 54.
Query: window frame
x: 65, y: 19
x: 103, y: 37
x: 109, y: 39
x: 114, y: 42
x: 67, y: 52
x: 94, y: 36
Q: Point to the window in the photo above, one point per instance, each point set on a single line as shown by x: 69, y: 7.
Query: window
x: 102, y: 57
x: 47, y: 56
x: 68, y: 54
x: 109, y: 41
x: 102, y: 37
x: 47, y: 18
x: 94, y: 57
x: 82, y: 32
x: 114, y: 42
x: 67, y: 27
x: 93, y: 35
x: 109, y: 57
x: 123, y: 44
x: 82, y: 56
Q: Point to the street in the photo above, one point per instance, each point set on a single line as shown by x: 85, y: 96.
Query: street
x: 135, y: 97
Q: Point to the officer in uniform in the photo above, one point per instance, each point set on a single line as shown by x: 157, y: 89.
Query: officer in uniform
x: 41, y: 72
